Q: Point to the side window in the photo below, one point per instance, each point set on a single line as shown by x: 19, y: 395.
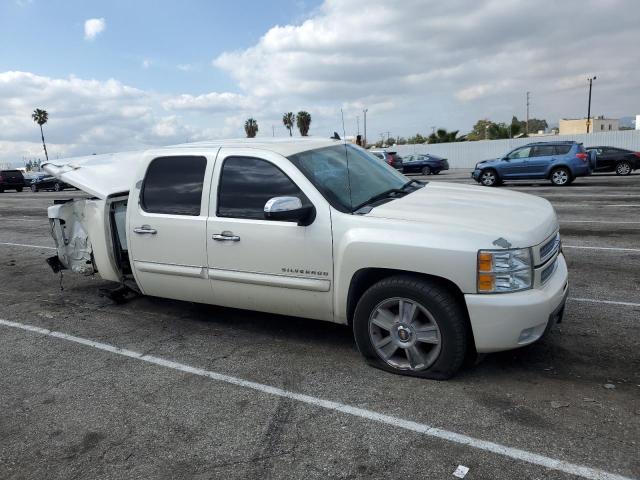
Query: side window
x: 562, y: 149
x: 173, y: 185
x: 246, y: 184
x: 523, y: 152
x: 542, y: 151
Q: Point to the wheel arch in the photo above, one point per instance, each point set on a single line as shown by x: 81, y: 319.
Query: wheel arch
x: 364, y: 278
x: 555, y: 166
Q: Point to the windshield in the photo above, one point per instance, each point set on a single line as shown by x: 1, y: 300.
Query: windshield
x: 369, y: 176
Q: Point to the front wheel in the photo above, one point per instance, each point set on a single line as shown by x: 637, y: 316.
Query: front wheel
x: 19, y: 189
x: 489, y: 178
x: 561, y: 177
x: 34, y: 189
x: 426, y: 170
x: 410, y: 326
x: 56, y: 187
x: 623, y: 168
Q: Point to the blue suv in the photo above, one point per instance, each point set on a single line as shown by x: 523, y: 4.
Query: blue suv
x: 560, y: 162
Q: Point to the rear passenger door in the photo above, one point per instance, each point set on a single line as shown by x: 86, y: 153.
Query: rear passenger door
x: 166, y: 227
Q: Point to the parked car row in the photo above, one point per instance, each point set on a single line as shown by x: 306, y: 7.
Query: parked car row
x: 424, y: 163
x: 560, y: 162
x: 35, y: 181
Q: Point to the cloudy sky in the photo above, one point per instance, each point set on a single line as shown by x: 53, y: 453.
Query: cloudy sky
x: 130, y: 74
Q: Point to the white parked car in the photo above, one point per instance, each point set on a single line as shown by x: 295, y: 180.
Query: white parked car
x: 425, y: 273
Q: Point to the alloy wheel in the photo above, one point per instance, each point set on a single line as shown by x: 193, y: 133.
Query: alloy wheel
x: 623, y: 168
x: 488, y: 178
x: 560, y: 177
x: 404, y: 334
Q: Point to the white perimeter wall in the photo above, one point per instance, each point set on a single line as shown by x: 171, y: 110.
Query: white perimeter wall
x: 467, y: 154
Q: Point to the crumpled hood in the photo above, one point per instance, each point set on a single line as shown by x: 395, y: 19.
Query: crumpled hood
x: 521, y: 219
x: 98, y: 175
x: 491, y: 161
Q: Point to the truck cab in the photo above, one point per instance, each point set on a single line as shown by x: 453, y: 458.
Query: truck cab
x: 424, y: 273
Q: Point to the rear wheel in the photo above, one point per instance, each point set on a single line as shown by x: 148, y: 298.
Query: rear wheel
x: 560, y: 177
x: 623, y: 168
x: 19, y: 189
x: 426, y: 170
x: 56, y: 187
x: 489, y: 178
x: 410, y: 326
x: 34, y: 188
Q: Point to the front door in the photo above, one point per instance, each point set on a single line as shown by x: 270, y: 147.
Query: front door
x: 515, y: 164
x: 266, y: 265
x: 541, y: 157
x: 167, y: 222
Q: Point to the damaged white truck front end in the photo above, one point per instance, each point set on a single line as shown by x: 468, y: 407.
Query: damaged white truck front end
x: 69, y: 231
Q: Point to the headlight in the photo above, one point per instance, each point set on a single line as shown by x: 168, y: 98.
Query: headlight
x: 501, y: 271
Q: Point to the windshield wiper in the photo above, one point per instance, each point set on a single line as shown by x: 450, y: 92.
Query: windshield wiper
x: 418, y: 183
x: 380, y: 196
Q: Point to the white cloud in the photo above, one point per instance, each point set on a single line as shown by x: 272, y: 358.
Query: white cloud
x: 185, y: 67
x: 93, y: 27
x: 146, y: 63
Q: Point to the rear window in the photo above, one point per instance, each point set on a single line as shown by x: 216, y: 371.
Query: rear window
x: 11, y: 173
x: 563, y: 149
x: 543, y: 151
x: 173, y: 185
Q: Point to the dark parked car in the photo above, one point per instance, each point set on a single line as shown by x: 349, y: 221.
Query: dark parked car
x: 30, y: 176
x: 11, y: 180
x: 392, y: 158
x: 424, y: 163
x: 612, y: 159
x: 561, y: 162
x: 48, y: 183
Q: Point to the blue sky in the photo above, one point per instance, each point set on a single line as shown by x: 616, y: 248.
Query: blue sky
x: 46, y: 37
x: 164, y: 72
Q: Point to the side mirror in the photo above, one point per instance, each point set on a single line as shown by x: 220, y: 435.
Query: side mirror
x: 289, y: 209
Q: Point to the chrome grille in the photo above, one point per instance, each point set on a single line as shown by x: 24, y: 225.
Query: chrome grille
x: 548, y: 271
x: 549, y: 248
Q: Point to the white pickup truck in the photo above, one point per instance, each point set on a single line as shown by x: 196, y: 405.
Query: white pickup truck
x: 426, y: 273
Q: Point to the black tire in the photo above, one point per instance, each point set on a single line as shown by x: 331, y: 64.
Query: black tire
x: 1, y: 190
x: 623, y: 168
x: 446, y: 313
x: 19, y: 189
x: 426, y: 170
x: 560, y: 177
x: 56, y: 187
x: 34, y: 189
x: 489, y: 178
x: 436, y: 172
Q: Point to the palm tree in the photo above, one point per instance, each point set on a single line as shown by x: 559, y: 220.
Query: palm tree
x: 288, y: 119
x: 303, y: 120
x: 41, y: 117
x: 251, y: 127
x: 442, y: 136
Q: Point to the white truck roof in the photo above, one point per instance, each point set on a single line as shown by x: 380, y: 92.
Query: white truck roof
x: 107, y: 174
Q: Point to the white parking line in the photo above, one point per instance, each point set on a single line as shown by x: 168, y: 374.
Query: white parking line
x: 606, y: 302
x: 613, y: 249
x: 496, y: 448
x: 26, y: 245
x: 596, y: 205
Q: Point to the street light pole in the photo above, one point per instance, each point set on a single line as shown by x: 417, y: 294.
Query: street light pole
x: 591, y: 79
x: 365, y: 127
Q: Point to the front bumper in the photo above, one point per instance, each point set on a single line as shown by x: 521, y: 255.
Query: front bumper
x: 476, y: 174
x: 511, y: 320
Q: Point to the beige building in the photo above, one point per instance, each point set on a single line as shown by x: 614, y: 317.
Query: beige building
x: 579, y: 125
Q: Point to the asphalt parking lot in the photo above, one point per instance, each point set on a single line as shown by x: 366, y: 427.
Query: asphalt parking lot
x: 79, y: 410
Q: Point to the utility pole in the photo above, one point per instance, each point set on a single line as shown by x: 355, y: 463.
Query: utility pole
x: 273, y: 130
x: 591, y: 79
x: 526, y: 127
x: 358, y: 122
x: 365, y: 126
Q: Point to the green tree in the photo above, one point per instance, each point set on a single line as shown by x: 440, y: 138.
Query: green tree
x: 251, y: 127
x: 41, y: 117
x: 401, y: 141
x: 442, y: 136
x: 391, y: 141
x: 288, y: 119
x: 417, y: 138
x: 303, y: 121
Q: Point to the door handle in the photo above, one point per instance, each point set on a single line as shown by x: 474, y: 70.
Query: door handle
x: 225, y: 236
x: 145, y: 229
